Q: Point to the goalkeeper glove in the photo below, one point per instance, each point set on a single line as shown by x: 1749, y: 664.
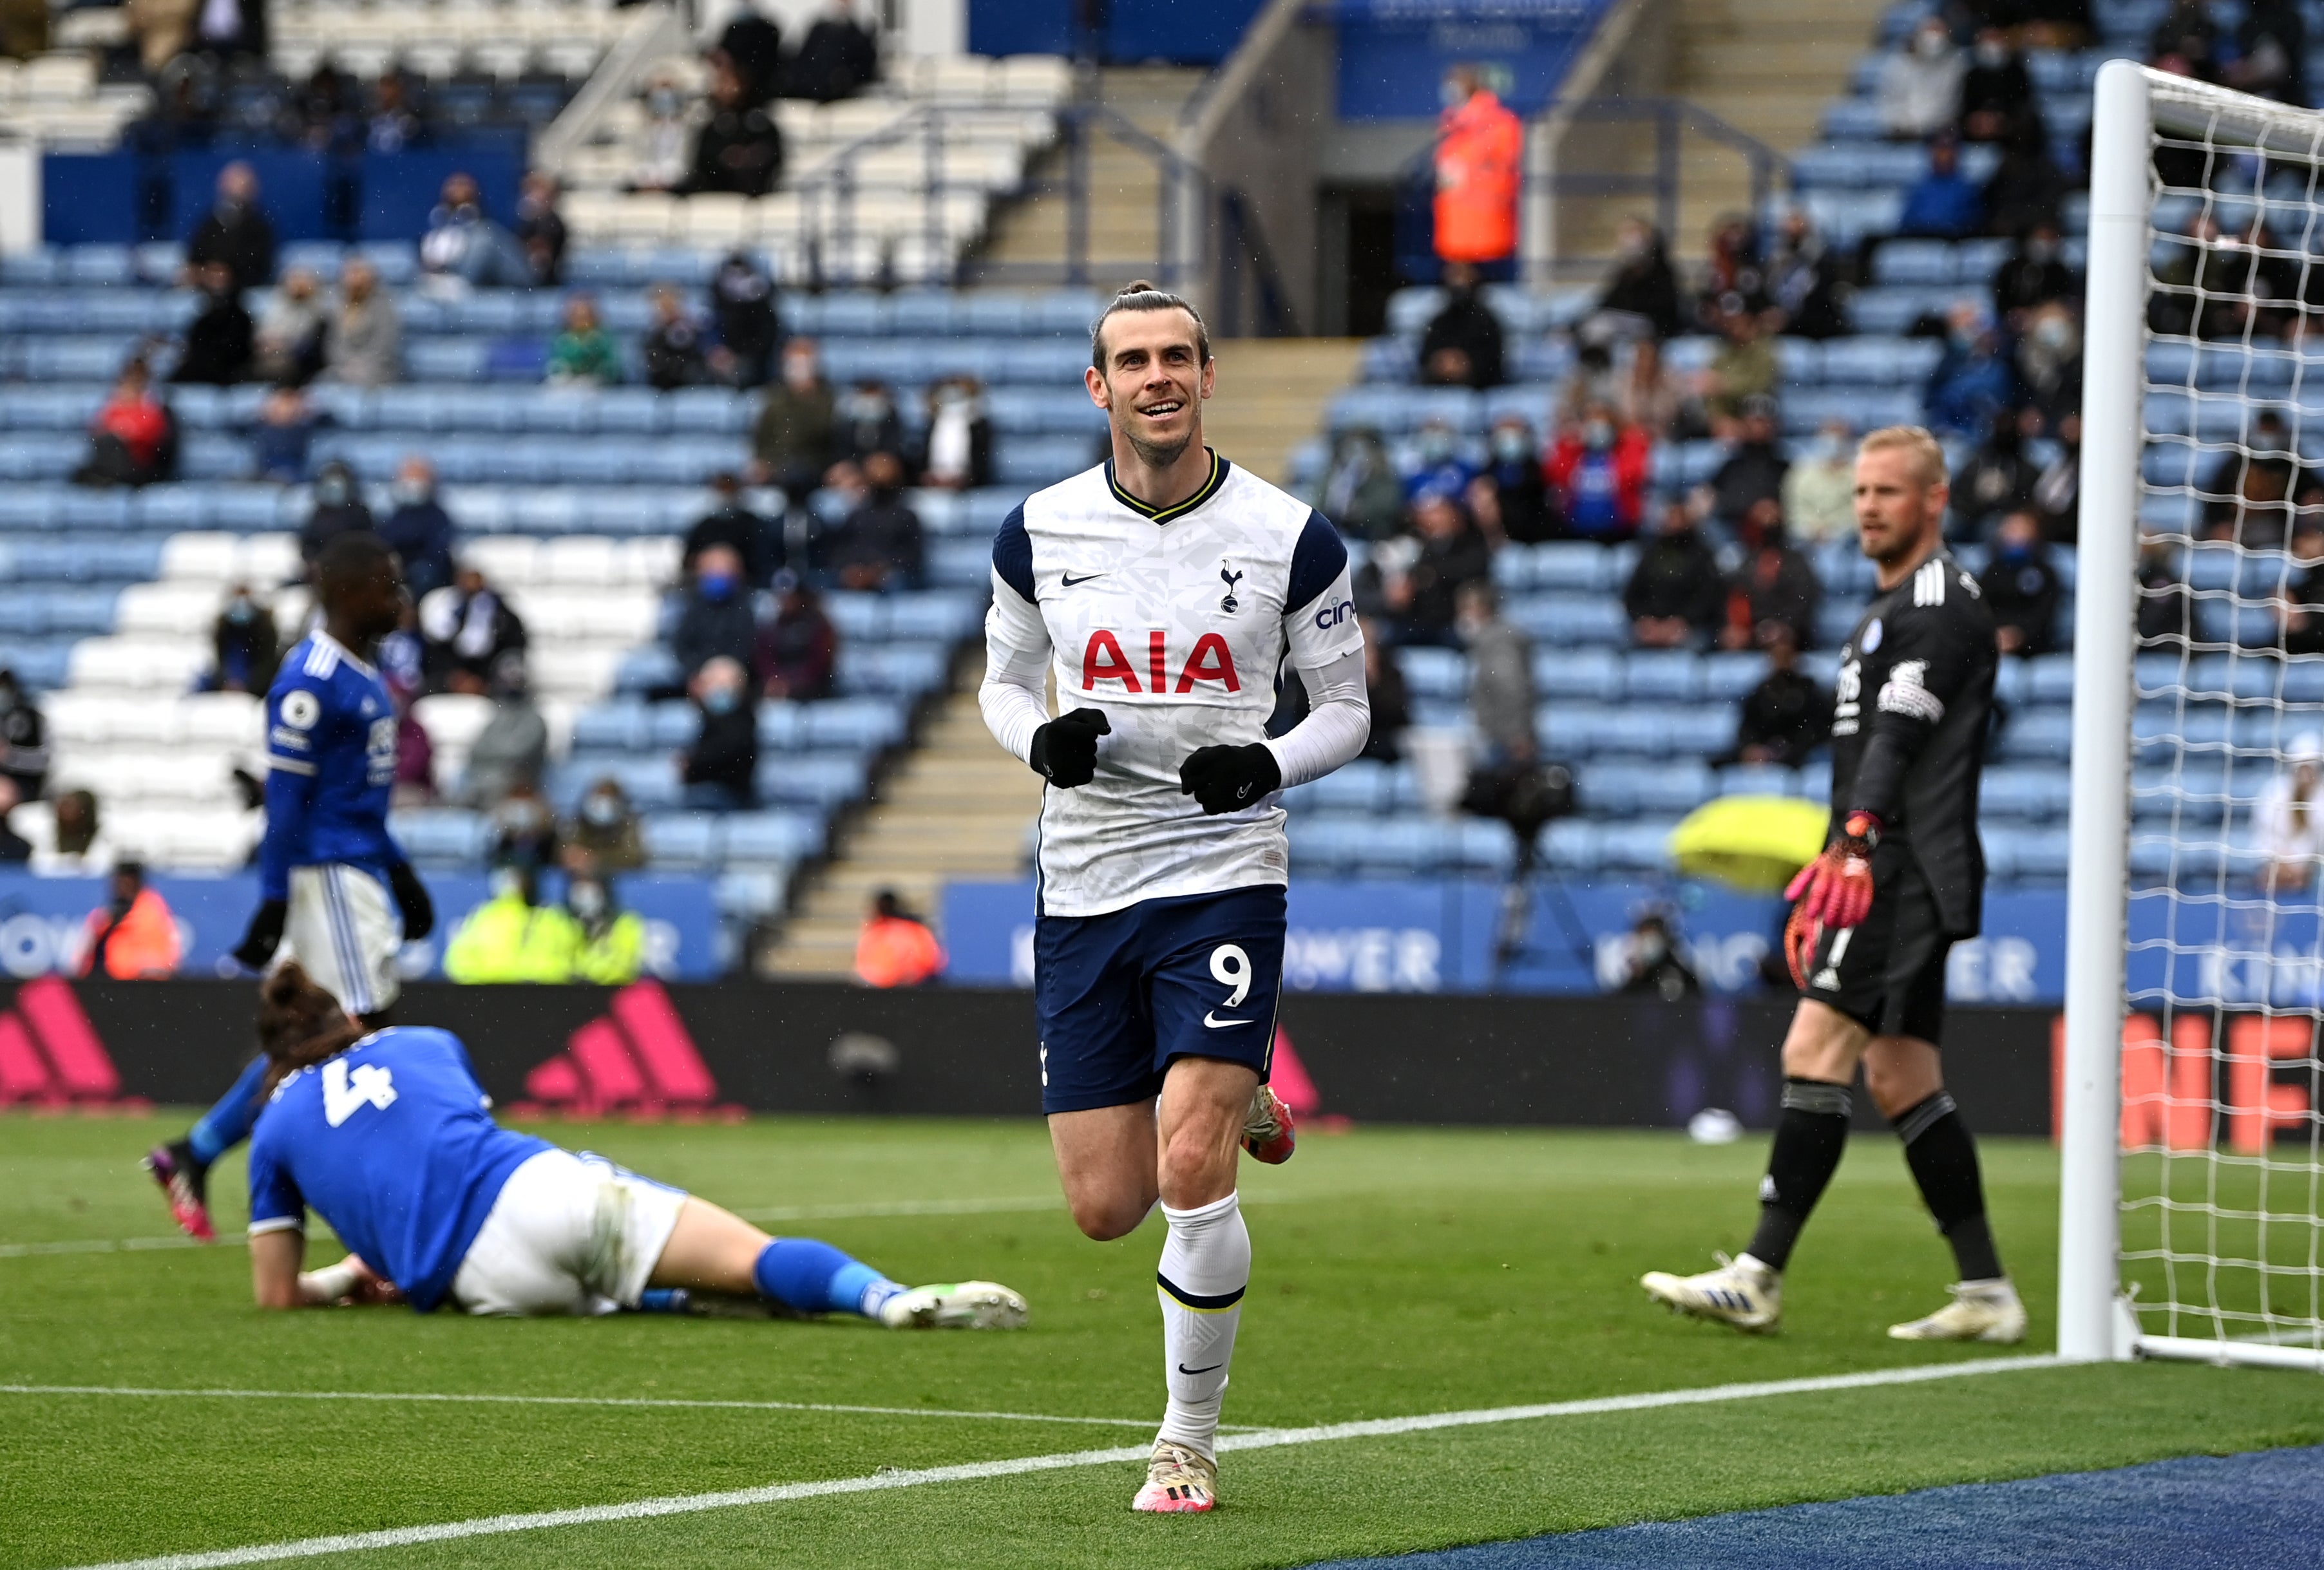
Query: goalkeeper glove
x: 1064, y: 750
x: 1834, y: 890
x: 1226, y: 779
x: 412, y: 900
x: 265, y: 934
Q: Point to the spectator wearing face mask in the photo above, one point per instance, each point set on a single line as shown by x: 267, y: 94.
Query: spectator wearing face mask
x: 1360, y: 491
x: 1462, y: 345
x: 1641, y: 294
x: 665, y: 150
x: 1437, y: 463
x: 799, y: 649
x: 744, y: 318
x: 284, y: 434
x: 1655, y: 969
x: 219, y: 340
x: 464, y: 246
x: 733, y: 524
x: 235, y: 231
x: 1996, y: 478
x: 881, y: 547
x: 1598, y: 468
x: 1819, y: 491
x: 957, y: 453
x: 1943, y: 204
x: 540, y: 228
x: 605, y: 945
x: 1972, y: 382
x: 510, y: 939
x: 1676, y: 596
x: 1513, y: 488
x: 288, y: 350
x: 673, y: 351
x: 2020, y: 588
x: 418, y: 529
x: 365, y: 346
x: 1444, y: 551
x: 1754, y: 470
x: 1997, y: 93
x: 1920, y: 86
x: 1774, y: 586
x: 584, y: 353
x: 867, y: 422
x: 243, y: 646
x: 606, y: 828
x: 466, y: 629
x: 337, y: 509
x: 2034, y: 275
x: 512, y: 752
x: 720, y: 770
x: 523, y: 829
x: 794, y: 441
x: 23, y: 739
x: 2050, y: 365
x: 1788, y: 715
x: 715, y: 622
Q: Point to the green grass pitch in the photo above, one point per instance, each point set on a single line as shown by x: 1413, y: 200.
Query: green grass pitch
x: 1398, y: 1271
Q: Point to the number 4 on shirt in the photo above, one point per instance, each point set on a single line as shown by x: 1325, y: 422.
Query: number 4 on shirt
x: 344, y: 1091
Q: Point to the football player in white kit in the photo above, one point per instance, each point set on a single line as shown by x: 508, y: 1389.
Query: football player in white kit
x: 1167, y: 588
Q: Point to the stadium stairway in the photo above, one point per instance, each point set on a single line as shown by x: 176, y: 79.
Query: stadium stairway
x: 957, y: 807
x: 1269, y: 391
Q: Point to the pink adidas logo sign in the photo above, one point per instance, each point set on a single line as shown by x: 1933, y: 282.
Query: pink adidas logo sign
x: 51, y: 1056
x: 637, y: 1061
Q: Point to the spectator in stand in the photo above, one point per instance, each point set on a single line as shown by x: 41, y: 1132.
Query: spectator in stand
x: 133, y: 936
x: 605, y: 945
x: 955, y: 454
x: 895, y: 947
x: 1972, y: 382
x: 540, y: 228
x: 1921, y: 84
x: 1788, y: 715
x: 743, y: 316
x: 2291, y: 819
x: 1593, y: 379
x: 2270, y: 53
x: 285, y: 433
x: 1437, y: 464
x: 2251, y: 491
x: 1651, y: 397
x: 672, y: 349
x: 1775, y: 586
x: 1995, y: 478
x: 838, y: 57
x: 2028, y: 188
x: 2035, y: 273
x: 1805, y: 284
x: 1384, y: 686
x: 288, y: 347
x: 336, y: 507
x: 523, y: 830
x: 2163, y: 599
x: 2300, y: 610
x: 1996, y: 94
x: 1360, y: 491
x: 2234, y: 289
x: 1479, y: 151
x: 465, y: 631
x: 1642, y: 295
x: 2050, y: 365
x: 798, y: 651
x: 396, y: 124
x: 1462, y: 344
x: 1732, y: 278
x: 219, y: 340
x: 509, y: 939
x: 1676, y: 596
x: 23, y: 739
x: 2058, y: 491
x: 1510, y: 498
x: 1741, y: 373
x: 245, y: 647
x: 2020, y: 588
x: 16, y: 851
x: 605, y: 830
x: 867, y: 422
x: 418, y: 529
x: 512, y: 750
x: 716, y: 620
x: 235, y: 231
x: 1943, y: 204
x: 133, y: 439
x: 2186, y: 42
x: 583, y: 354
x: 1755, y: 469
x: 1654, y: 967
x: 732, y: 523
x: 751, y: 43
x: 739, y: 149
x: 415, y: 758
x: 880, y: 547
x: 793, y: 442
x: 664, y: 151
x: 325, y: 114
x: 1425, y: 595
x: 720, y: 771
x: 464, y: 248
x: 1500, y: 676
x: 364, y: 347
x: 79, y: 847
x: 1818, y: 492
x: 1597, y: 468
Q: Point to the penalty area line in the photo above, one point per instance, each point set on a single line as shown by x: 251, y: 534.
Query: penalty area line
x: 1023, y: 1465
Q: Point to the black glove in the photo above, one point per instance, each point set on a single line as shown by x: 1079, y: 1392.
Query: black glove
x: 265, y: 934
x: 1064, y: 750
x: 1227, y: 779
x: 412, y: 899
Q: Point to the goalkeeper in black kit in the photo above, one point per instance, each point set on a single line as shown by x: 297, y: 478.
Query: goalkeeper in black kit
x: 1901, y: 880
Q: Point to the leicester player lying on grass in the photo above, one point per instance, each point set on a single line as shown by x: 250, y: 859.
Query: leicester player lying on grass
x: 389, y: 1138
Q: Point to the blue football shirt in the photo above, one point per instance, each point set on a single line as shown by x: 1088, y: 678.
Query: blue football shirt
x: 330, y: 756
x: 393, y: 1142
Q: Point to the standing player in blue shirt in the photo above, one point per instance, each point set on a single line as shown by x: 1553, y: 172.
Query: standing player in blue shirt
x: 330, y: 877
x: 389, y: 1138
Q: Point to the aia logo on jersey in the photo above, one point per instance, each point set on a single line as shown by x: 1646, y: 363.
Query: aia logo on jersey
x: 1210, y: 660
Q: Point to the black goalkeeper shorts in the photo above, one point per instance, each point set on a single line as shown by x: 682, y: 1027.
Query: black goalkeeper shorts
x: 1887, y: 972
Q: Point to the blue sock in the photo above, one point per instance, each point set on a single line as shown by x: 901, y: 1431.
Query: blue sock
x: 228, y: 1125
x: 810, y: 1277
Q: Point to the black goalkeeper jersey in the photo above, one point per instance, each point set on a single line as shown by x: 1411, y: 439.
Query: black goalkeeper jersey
x: 1913, y: 701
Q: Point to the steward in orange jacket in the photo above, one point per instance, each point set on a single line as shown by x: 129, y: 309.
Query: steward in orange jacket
x: 1480, y: 153
x: 134, y: 937
x: 895, y: 947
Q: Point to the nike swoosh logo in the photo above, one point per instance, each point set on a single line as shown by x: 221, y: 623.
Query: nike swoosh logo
x: 1068, y: 580
x: 1191, y: 1372
x: 1216, y: 1023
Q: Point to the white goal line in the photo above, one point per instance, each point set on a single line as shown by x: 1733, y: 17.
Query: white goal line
x: 973, y: 1470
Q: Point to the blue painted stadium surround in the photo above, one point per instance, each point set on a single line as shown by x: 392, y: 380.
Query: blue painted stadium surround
x: 1187, y: 32
x: 2227, y: 1512
x: 103, y: 198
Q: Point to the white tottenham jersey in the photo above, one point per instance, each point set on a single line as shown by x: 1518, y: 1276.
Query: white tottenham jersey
x: 1174, y: 622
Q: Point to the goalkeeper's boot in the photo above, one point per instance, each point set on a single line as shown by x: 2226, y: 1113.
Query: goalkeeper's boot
x: 1269, y: 1132
x: 1179, y: 1481
x: 185, y: 1184
x: 1741, y: 1292
x: 1979, y: 1311
x: 954, y: 1306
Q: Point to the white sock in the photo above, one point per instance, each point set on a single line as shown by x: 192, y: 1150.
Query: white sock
x: 1206, y: 1266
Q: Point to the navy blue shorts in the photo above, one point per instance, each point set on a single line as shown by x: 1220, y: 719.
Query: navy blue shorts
x: 1120, y: 995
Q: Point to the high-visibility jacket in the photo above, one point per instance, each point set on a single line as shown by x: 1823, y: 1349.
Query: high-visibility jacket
x: 1479, y: 153
x: 614, y: 957
x: 141, y: 945
x: 506, y: 940
x: 897, y: 951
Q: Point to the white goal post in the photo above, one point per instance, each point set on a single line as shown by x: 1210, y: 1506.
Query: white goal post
x: 2191, y: 1207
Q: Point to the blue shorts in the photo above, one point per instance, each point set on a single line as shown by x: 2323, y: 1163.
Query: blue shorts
x: 1119, y: 996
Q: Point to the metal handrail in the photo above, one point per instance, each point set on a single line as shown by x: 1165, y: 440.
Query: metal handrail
x: 1673, y: 118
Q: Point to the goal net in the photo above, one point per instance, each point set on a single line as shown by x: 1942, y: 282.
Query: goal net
x: 2193, y: 1211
